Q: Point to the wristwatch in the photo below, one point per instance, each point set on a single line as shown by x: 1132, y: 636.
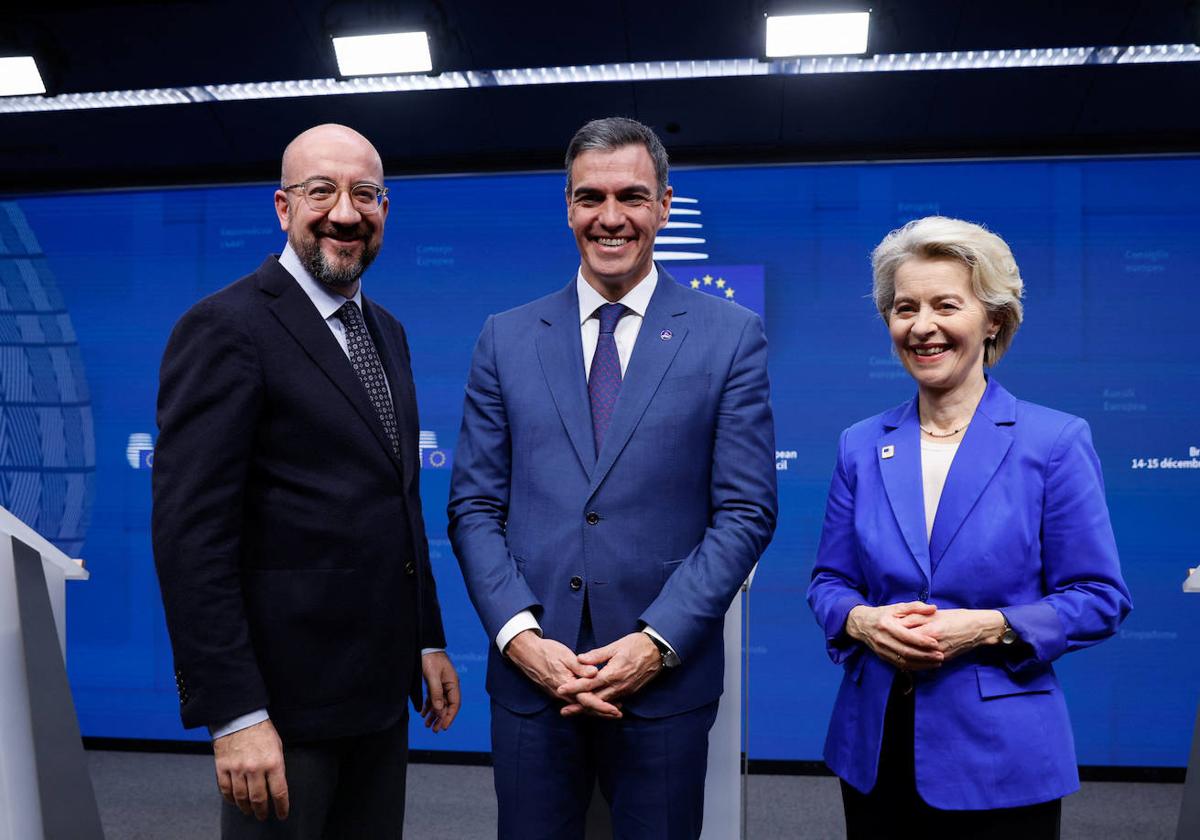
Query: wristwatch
x: 669, y: 659
x: 1009, y: 635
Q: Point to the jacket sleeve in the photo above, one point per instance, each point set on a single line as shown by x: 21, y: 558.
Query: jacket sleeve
x: 209, y: 399
x: 743, y: 501
x: 1086, y: 597
x: 837, y: 583
x: 479, y: 494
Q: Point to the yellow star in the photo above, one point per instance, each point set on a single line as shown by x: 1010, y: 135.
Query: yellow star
x: 720, y: 282
x: 729, y: 293
x: 695, y: 283
x: 707, y: 279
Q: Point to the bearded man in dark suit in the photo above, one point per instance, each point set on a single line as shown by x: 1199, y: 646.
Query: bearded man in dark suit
x: 287, y: 523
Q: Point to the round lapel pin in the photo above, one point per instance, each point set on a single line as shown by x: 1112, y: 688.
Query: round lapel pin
x: 665, y: 335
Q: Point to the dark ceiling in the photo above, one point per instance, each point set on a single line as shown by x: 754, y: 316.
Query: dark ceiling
x: 87, y: 47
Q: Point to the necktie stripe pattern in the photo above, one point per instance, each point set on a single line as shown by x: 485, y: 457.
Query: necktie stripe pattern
x: 365, y: 360
x: 604, y: 380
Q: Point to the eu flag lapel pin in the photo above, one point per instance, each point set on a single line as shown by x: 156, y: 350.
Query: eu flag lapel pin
x: 888, y: 451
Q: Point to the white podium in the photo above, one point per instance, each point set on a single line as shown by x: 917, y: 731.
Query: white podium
x: 725, y: 780
x: 45, y: 789
x: 1189, y: 811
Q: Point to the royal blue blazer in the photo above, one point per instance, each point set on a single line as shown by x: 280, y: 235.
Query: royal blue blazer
x: 1022, y: 527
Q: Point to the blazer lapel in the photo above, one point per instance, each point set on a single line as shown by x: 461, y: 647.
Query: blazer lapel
x: 560, y: 352
x: 406, y: 419
x: 652, y: 356
x: 291, y: 306
x: 980, y: 454
x: 898, y: 452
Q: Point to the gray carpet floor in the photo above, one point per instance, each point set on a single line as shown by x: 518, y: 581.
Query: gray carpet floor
x: 148, y: 796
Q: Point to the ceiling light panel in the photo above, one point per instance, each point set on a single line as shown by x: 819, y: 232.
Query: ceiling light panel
x: 383, y: 55
x: 625, y: 72
x: 843, y: 33
x: 19, y: 76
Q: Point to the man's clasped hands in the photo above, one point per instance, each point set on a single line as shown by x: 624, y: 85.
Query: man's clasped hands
x: 590, y: 683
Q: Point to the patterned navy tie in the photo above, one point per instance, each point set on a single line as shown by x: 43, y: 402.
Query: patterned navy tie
x: 365, y: 360
x: 604, y: 381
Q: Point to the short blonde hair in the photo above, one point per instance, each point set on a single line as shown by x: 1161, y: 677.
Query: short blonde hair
x: 995, y: 278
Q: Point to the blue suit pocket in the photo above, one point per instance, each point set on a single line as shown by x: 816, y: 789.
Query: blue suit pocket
x: 998, y: 682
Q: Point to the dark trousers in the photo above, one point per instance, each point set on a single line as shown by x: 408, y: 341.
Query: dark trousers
x: 651, y: 771
x: 894, y: 810
x: 340, y: 789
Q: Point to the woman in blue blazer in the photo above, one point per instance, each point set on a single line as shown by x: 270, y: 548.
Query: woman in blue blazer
x: 966, y: 546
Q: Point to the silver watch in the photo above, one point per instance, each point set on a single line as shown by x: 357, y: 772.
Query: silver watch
x: 1009, y: 635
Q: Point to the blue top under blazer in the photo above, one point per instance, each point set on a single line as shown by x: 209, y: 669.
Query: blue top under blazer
x: 1022, y: 526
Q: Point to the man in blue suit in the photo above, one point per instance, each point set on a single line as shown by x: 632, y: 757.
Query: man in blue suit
x: 614, y: 483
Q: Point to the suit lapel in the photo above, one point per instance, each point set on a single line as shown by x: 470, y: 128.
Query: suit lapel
x: 652, y: 356
x: 980, y: 454
x: 295, y: 312
x: 898, y: 452
x: 560, y: 352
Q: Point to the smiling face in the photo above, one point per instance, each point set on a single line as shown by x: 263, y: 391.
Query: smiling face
x: 336, y: 245
x: 614, y: 211
x: 938, y: 325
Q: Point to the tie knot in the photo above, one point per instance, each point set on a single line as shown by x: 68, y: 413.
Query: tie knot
x: 609, y: 314
x: 348, y: 313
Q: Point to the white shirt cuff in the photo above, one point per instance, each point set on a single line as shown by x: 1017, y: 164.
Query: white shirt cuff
x: 238, y: 723
x: 426, y: 651
x: 519, y: 623
x: 672, y: 658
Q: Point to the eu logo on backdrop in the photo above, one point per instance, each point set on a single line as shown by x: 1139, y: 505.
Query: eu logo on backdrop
x: 742, y: 284
x: 433, y: 457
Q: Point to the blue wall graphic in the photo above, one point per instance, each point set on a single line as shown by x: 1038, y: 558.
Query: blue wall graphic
x: 1111, y: 257
x: 47, y: 446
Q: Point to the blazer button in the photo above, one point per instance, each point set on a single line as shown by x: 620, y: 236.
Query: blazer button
x: 592, y: 517
x: 576, y: 583
x: 924, y: 595
x: 410, y: 568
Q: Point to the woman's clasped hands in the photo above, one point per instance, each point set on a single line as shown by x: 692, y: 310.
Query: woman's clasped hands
x: 916, y: 636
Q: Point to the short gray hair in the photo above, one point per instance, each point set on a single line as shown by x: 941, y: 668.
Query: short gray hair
x: 995, y: 278
x: 612, y: 133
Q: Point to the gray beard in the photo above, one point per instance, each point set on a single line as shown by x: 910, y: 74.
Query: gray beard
x: 314, y: 260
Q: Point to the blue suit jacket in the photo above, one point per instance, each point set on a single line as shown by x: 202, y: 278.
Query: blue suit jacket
x: 1021, y: 526
x: 682, y: 492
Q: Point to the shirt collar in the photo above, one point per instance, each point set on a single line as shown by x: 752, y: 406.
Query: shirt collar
x: 326, y: 300
x: 636, y: 299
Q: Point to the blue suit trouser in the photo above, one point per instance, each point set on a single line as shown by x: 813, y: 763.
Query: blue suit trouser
x: 651, y: 771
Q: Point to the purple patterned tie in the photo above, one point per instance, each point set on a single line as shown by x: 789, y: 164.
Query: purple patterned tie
x: 604, y: 381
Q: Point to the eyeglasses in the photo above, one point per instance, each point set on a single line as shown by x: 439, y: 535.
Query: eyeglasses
x: 322, y: 195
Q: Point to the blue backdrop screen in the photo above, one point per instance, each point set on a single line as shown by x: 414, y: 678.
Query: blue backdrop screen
x: 1111, y: 257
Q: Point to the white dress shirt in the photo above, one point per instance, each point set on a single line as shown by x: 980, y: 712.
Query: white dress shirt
x: 327, y: 302
x: 625, y: 336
